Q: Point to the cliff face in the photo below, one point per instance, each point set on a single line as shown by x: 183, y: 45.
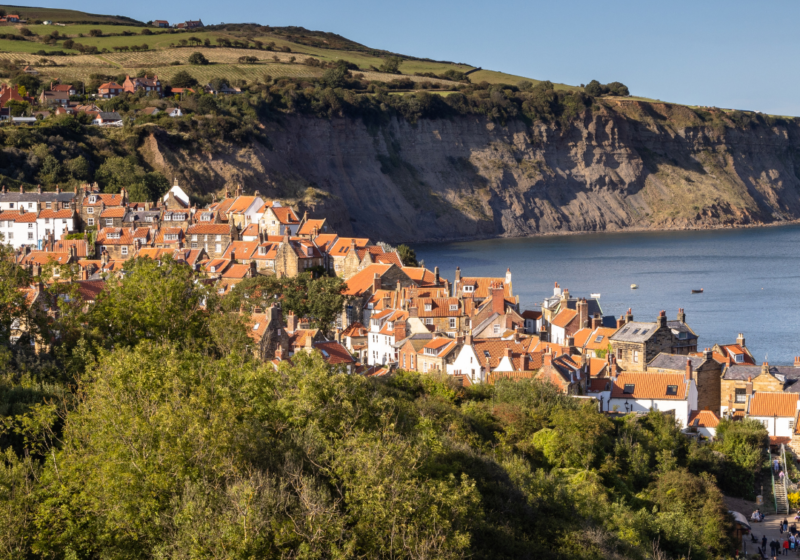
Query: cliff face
x: 631, y: 166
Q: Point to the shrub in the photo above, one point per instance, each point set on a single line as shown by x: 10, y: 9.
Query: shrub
x: 198, y: 59
x: 95, y: 33
x: 25, y: 32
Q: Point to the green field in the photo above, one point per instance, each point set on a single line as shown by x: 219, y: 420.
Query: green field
x: 59, y: 15
x: 166, y: 56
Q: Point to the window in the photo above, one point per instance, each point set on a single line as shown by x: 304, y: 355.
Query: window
x: 454, y: 307
x: 218, y: 248
x: 635, y: 356
x: 48, y: 205
x: 791, y: 424
x: 635, y: 331
x: 92, y: 199
x: 194, y: 245
x: 469, y: 289
x: 428, y: 321
x: 453, y: 322
x: 30, y: 226
x: 113, y: 235
x: 30, y: 205
x: 30, y: 235
x: 428, y: 307
x: 741, y: 395
x: 496, y: 329
x: 683, y: 335
x: 47, y: 220
x: 65, y: 205
x: 599, y: 338
x: 11, y: 205
x: 124, y: 251
x: 171, y: 236
x: 205, y: 217
x: 10, y: 235
x: 766, y: 423
x: 628, y: 389
x: 672, y: 389
x: 194, y: 238
x: 739, y: 358
x: 90, y: 221
x: 90, y: 210
x: 219, y: 238
x: 109, y: 222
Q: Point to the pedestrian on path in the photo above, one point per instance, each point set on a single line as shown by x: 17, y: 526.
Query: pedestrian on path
x: 775, y: 465
x: 780, y: 528
x: 772, y: 549
x: 764, y: 544
x: 786, y: 547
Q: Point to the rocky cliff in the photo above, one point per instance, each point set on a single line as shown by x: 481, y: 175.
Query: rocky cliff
x: 618, y: 166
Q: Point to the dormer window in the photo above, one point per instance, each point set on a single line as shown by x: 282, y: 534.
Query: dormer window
x: 738, y: 358
x: 113, y: 235
x: 262, y: 250
x: 213, y: 269
x: 428, y: 307
x: 148, y: 218
x: 205, y: 217
x: 92, y: 199
x: 469, y: 289
x: 171, y: 237
x: 683, y: 335
x: 48, y: 204
x: 628, y: 389
x: 454, y: 307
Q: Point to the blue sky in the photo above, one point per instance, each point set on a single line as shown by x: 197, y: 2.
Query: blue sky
x: 727, y: 54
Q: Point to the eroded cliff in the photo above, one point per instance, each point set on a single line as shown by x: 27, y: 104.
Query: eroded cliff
x: 632, y: 165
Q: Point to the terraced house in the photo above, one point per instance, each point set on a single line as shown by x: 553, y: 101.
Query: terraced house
x: 635, y: 344
x: 214, y: 238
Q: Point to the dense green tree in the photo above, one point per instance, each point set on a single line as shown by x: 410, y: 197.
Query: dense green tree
x: 407, y: 255
x: 391, y: 65
x: 198, y: 59
x: 183, y: 79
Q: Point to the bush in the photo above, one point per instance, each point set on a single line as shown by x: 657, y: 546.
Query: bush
x: 198, y: 59
x: 146, y: 31
x: 95, y: 33
x: 596, y: 89
x: 183, y: 79
x: 25, y: 32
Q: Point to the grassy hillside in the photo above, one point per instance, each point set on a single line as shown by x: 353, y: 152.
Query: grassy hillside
x: 64, y: 16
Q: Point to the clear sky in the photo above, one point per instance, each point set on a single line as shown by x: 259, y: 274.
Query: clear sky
x: 723, y: 53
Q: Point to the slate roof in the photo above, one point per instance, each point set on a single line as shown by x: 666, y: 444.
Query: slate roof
x: 36, y: 196
x: 674, y: 361
x: 593, y: 306
x: 635, y: 332
x: 680, y: 326
x: 742, y: 372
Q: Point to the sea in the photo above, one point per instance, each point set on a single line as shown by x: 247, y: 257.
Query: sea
x: 750, y: 278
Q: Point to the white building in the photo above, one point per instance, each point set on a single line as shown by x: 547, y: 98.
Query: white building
x: 467, y: 363
x: 21, y: 229
x: 663, y: 392
x: 386, y: 328
x: 33, y: 201
x: 703, y: 423
x: 777, y: 411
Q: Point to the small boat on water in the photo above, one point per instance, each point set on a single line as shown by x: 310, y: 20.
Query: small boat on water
x: 634, y: 286
x: 700, y: 291
x: 595, y: 296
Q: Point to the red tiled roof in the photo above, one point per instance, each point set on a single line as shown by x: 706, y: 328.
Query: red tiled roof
x: 440, y: 307
x: 422, y: 276
x: 703, y: 419
x: 125, y: 237
x: 63, y: 246
x: 650, y: 386
x: 355, y: 330
x: 241, y: 249
x: 63, y: 214
x: 27, y: 217
x: 106, y: 199
x: 309, y: 226
x: 117, y: 212
x: 250, y: 231
x: 286, y: 215
x: 334, y: 353
x: 110, y: 85
x: 44, y: 257
x: 596, y: 366
x: 598, y: 385
x: 325, y: 241
x: 593, y: 344
x: 237, y: 271
x: 209, y: 229
x: 241, y: 203
x: 528, y: 314
x: 581, y: 337
x: 771, y: 404
x: 362, y: 281
x: 343, y: 244
x: 483, y: 285
x: 564, y: 318
x: 88, y: 290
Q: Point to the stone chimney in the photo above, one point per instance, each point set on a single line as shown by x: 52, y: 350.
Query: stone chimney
x: 688, y: 369
x: 458, y: 275
x: 376, y: 283
x: 797, y: 361
x: 413, y: 311
x: 681, y: 315
x: 621, y: 321
x: 58, y: 189
x: 740, y: 340
x: 583, y: 313
x: 507, y: 352
x: 233, y: 256
x: 309, y: 341
x: 662, y: 319
x: 547, y: 358
x: 436, y: 275
x: 84, y: 273
x: 291, y: 322
x: 629, y: 316
x: 468, y: 338
x: 565, y: 294
x: 21, y: 189
x: 39, y: 189
x: 597, y: 322
x: 253, y: 270
x: 400, y: 331
x: 523, y: 366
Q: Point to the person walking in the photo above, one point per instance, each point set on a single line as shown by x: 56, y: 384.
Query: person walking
x: 773, y: 553
x: 775, y: 465
x: 780, y: 528
x: 764, y: 545
x: 786, y: 547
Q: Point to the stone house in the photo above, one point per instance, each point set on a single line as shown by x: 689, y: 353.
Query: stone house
x: 443, y: 315
x: 245, y: 210
x: 275, y: 220
x: 295, y: 256
x: 176, y: 219
x: 408, y: 350
x: 635, y: 344
x: 563, y: 372
x: 214, y: 238
x: 736, y: 353
x: 706, y: 372
x: 269, y: 335
x: 363, y: 285
x: 117, y: 243
x: 145, y: 217
x: 741, y: 382
x: 437, y: 354
x: 338, y: 252
x: 92, y: 204
x: 169, y: 238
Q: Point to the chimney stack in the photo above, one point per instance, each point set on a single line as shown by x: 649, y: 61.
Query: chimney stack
x: 708, y: 354
x: 498, y: 299
x: 436, y: 274
x: 547, y: 358
x: 524, y: 362
x: 681, y: 315
x: 400, y: 331
x: 662, y: 319
x: 468, y: 338
x: 797, y: 361
x: 688, y: 369
x: 458, y: 275
x: 621, y: 321
x: 583, y: 313
x: 740, y: 340
x: 337, y: 335
x: 376, y: 283
x: 597, y: 322
x: 507, y: 352
x: 629, y: 316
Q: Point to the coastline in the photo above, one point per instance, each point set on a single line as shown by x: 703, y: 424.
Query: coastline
x: 632, y: 229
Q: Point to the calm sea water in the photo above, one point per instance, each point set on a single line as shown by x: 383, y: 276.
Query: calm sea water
x: 751, y: 278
